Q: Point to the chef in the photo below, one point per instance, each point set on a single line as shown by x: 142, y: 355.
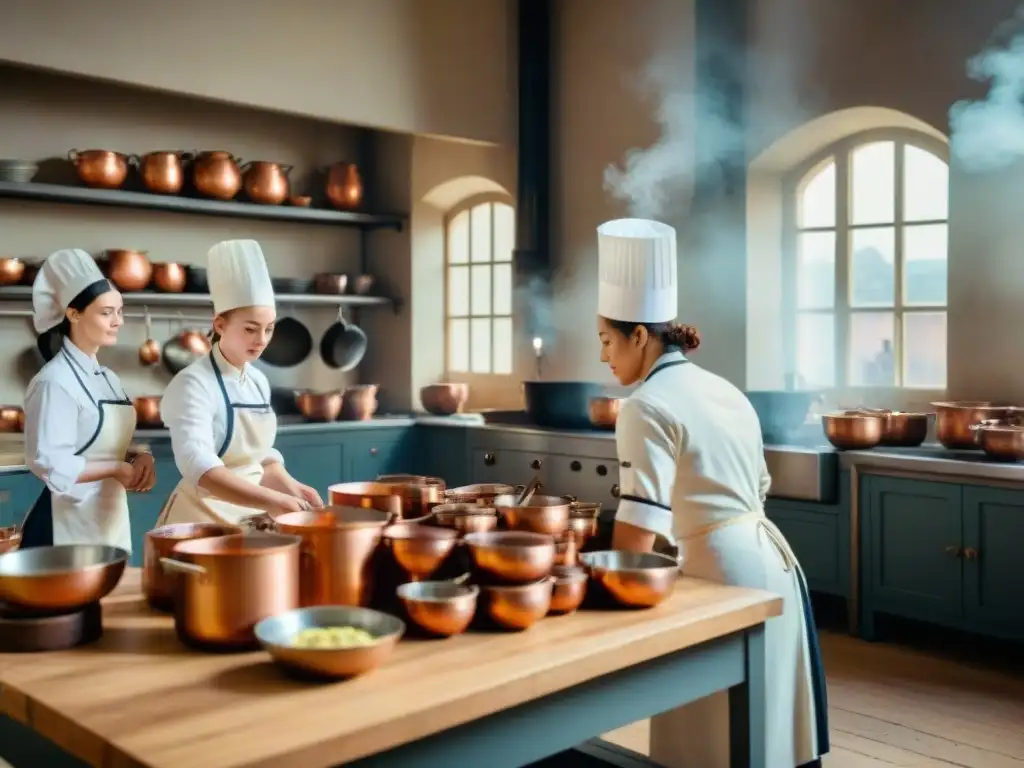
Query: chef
x: 78, y: 420
x: 218, y: 409
x: 693, y: 476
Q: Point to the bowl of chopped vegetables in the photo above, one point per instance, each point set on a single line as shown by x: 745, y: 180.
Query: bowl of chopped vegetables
x: 333, y: 641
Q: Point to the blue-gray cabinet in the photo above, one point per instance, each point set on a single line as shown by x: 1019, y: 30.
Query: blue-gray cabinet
x: 442, y: 452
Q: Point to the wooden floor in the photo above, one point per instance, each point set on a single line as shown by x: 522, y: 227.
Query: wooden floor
x: 892, y: 705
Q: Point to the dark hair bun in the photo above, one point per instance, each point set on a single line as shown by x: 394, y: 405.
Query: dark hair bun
x: 685, y: 336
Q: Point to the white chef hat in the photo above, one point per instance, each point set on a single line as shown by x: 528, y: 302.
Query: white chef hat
x: 237, y: 275
x: 637, y: 267
x: 64, y: 275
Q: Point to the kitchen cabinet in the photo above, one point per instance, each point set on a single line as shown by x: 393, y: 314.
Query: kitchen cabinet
x: 369, y: 453
x: 18, y: 492
x: 442, y: 452
x: 819, y: 535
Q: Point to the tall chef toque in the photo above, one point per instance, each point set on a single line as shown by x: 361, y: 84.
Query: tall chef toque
x: 238, y: 277
x: 637, y: 271
x: 64, y: 275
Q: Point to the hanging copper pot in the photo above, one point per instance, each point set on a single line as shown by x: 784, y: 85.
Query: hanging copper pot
x: 162, y: 172
x: 100, y: 168
x: 149, y: 351
x: 217, y: 175
x: 195, y: 341
x: 11, y: 270
x: 128, y: 270
x: 344, y: 186
x: 266, y: 183
x: 147, y: 412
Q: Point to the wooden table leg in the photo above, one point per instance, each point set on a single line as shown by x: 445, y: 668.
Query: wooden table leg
x: 748, y: 708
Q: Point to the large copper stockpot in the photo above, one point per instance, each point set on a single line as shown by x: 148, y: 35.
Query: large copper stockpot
x: 266, y: 183
x: 162, y: 172
x: 344, y: 186
x: 128, y: 270
x: 157, y: 585
x: 217, y: 175
x: 338, y: 545
x: 224, y: 585
x: 953, y: 421
x: 100, y: 168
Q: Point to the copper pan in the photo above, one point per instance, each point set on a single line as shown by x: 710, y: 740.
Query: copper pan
x: 128, y: 270
x: 418, y: 499
x: 12, y: 418
x: 147, y: 412
x: 319, y: 406
x: 100, y: 168
x: 65, y: 577
x: 379, y: 496
x: 953, y: 421
x: 11, y: 270
x: 162, y: 172
x: 853, y: 431
x: 541, y: 514
x: 159, y: 543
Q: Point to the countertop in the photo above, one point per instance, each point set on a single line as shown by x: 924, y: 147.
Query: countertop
x: 137, y: 697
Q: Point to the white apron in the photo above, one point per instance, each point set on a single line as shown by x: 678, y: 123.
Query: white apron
x: 102, y: 516
x: 251, y: 431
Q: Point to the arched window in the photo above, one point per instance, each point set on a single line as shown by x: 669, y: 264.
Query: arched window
x: 479, y: 238
x: 866, y: 264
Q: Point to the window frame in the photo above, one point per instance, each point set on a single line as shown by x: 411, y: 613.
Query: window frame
x: 465, y: 206
x: 841, y: 152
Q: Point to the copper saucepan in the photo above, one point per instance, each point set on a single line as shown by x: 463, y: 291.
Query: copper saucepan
x: 953, y: 421
x: 157, y: 585
x: 11, y: 270
x: 128, y: 270
x: 147, y: 412
x: 100, y: 168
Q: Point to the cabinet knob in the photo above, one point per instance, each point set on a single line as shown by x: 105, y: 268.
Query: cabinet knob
x: 602, y: 470
x: 373, y: 451
x: 971, y: 554
x: 489, y: 459
x: 575, y: 466
x: 954, y: 551
x: 536, y: 464
x: 615, y: 491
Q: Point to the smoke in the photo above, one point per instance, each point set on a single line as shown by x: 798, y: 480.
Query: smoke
x: 988, y: 134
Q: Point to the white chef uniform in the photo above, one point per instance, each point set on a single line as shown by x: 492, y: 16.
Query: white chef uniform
x: 692, y: 470
x: 219, y: 415
x: 75, y: 412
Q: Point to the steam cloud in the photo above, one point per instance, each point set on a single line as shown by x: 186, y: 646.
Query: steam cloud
x: 989, y: 134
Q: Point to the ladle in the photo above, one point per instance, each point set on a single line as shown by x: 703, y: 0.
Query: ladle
x: 530, y: 489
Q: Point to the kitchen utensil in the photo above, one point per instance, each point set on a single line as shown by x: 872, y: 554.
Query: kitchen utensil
x: 128, y: 270
x: 418, y: 498
x: 782, y: 413
x: 11, y: 270
x: 338, y: 544
x: 290, y: 345
x: 444, y: 399
x: 566, y: 550
x: 344, y: 187
x: 411, y: 479
x: 183, y: 349
x: 418, y: 549
x: 441, y: 608
x: 343, y: 345
x: 291, y: 285
x: 147, y: 412
x: 570, y: 587
x: 158, y: 543
x: 634, y: 579
x: 10, y: 538
x: 24, y: 631
x: 100, y: 168
x: 362, y: 285
x: 560, y: 404
x: 379, y: 496
x: 542, y: 514
x: 583, y: 521
x: 149, y: 350
x: 604, y: 411
x: 511, y: 556
x: 359, y: 402
x: 277, y: 636
x: 162, y: 172
x: 523, y: 498
x: 49, y: 343
x: 1001, y: 439
x: 226, y: 584
x: 17, y: 171
x: 266, y: 183
x: 953, y: 421
x: 169, y: 277
x: 300, y: 201
x: 65, y: 577
x: 195, y: 279
x: 517, y: 606
x: 330, y: 284
x: 853, y: 431
x: 216, y: 174
x: 903, y: 430
x: 12, y: 418
x: 479, y: 493
x: 31, y: 270
x: 319, y: 406
x: 465, y: 518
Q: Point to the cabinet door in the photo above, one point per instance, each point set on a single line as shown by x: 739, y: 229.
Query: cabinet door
x: 511, y: 467
x: 317, y: 466
x: 369, y: 456
x: 913, y: 543
x: 815, y: 540
x: 18, y: 492
x: 442, y: 452
x: 594, y: 480
x: 993, y: 577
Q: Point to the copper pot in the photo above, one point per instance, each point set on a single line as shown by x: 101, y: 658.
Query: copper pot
x: 100, y: 168
x: 903, y: 430
x: 465, y: 518
x: 12, y: 418
x: 319, y: 406
x: 162, y: 172
x: 128, y: 270
x: 360, y: 402
x: 224, y: 585
x: 11, y: 270
x: 196, y: 342
x: 541, y: 514
x: 566, y: 549
x: 159, y: 543
x: 379, y: 496
x: 169, y: 277
x: 482, y: 494
x: 338, y: 544
x: 584, y: 521
x: 570, y: 588
x: 953, y: 421
x: 149, y: 350
x: 853, y: 431
x: 511, y: 556
x: 344, y: 186
x: 217, y: 175
x: 1001, y: 439
x: 444, y: 399
x: 10, y: 539
x: 147, y: 412
x: 418, y: 499
x: 604, y: 411
x: 419, y: 550
x: 266, y: 183
x: 414, y: 479
x: 520, y: 606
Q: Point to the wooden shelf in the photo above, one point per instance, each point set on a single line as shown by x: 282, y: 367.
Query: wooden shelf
x: 24, y: 293
x: 117, y: 198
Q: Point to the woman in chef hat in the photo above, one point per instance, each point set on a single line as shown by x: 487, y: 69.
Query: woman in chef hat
x: 693, y: 475
x: 78, y: 420
x: 218, y: 409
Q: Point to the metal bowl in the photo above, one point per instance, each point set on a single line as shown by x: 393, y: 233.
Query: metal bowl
x: 440, y: 607
x: 854, y: 431
x: 634, y: 579
x: 419, y: 549
x: 569, y: 589
x: 59, y: 578
x: 583, y: 520
x: 276, y: 635
x: 543, y: 514
x: 10, y: 539
x: 466, y: 518
x: 479, y: 493
x: 519, y: 606
x: 512, y: 556
x: 1000, y: 439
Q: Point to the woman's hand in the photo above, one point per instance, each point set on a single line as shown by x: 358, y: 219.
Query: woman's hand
x: 144, y: 477
x: 276, y: 478
x: 124, y: 474
x: 309, y: 494
x: 277, y: 503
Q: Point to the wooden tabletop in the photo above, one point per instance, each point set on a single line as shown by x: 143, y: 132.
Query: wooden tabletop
x: 138, y: 698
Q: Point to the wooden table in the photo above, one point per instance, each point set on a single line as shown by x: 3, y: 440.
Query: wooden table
x: 138, y: 698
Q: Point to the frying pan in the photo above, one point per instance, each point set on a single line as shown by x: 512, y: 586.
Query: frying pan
x: 343, y: 345
x: 290, y: 345
x: 182, y: 350
x: 49, y: 343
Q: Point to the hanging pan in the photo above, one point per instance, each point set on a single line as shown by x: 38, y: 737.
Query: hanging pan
x: 183, y: 349
x: 290, y: 345
x: 343, y: 345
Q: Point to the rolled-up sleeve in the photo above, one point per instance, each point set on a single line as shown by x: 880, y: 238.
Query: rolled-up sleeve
x: 647, y: 447
x: 188, y: 410
x: 51, y: 420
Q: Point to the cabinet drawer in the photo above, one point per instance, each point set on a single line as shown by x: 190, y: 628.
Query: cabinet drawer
x: 511, y: 467
x: 594, y: 480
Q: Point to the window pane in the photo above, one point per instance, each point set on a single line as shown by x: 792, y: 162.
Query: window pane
x: 815, y: 350
x: 925, y: 254
x: 458, y: 239
x: 924, y: 349
x: 502, y: 289
x: 816, y: 270
x: 871, y: 362
x: 817, y: 204
x: 480, y: 344
x: 873, y: 267
x: 925, y: 186
x: 873, y: 183
x: 481, y: 290
x: 504, y: 231
x: 480, y: 241
x: 503, y: 345
x: 458, y: 291
x: 458, y: 346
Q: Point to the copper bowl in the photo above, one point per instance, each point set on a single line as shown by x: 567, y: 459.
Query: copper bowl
x: 479, y: 493
x: 330, y: 284
x: 566, y: 550
x: 100, y: 168
x: 157, y: 585
x: 905, y: 430
x: 953, y: 421
x: 440, y: 607
x: 584, y: 520
x: 512, y: 556
x: 519, y: 606
x: 147, y: 412
x: 853, y: 431
x: 11, y: 270
x: 543, y: 514
x: 12, y: 418
x: 1001, y: 439
x: 465, y: 518
x: 444, y: 399
x: 362, y: 285
x: 319, y: 406
x: 419, y: 549
x: 379, y: 496
x: 570, y: 588
x: 604, y: 411
x: 360, y: 402
x: 65, y: 577
x: 418, y: 499
x: 411, y: 480
x: 10, y: 539
x: 169, y: 277
x: 128, y: 270
x: 633, y: 579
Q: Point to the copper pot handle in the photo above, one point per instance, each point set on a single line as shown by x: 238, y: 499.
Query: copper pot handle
x: 285, y: 168
x: 177, y: 566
